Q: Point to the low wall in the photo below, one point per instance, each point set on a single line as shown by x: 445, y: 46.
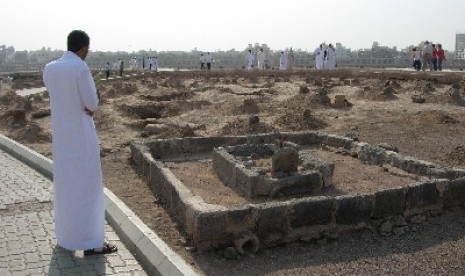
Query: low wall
x: 272, y: 223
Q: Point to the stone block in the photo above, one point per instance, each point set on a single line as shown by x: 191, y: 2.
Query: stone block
x: 267, y: 138
x: 310, y: 212
x: 272, y: 222
x: 422, y: 195
x: 389, y: 202
x: 454, y: 193
x: 306, y: 138
x: 338, y: 141
x: 353, y: 209
x: 285, y: 160
x: 224, y: 166
x: 241, y: 219
x: 210, y: 230
x: 310, y: 182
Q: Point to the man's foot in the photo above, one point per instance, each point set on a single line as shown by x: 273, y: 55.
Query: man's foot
x: 105, y: 249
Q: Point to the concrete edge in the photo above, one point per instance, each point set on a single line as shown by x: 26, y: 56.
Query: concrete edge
x: 154, y: 254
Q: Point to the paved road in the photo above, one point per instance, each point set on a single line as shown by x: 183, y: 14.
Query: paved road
x: 27, y: 238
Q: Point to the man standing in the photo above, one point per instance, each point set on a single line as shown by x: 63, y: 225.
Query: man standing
x: 319, y: 57
x: 331, y: 57
x: 290, y: 60
x: 427, y: 55
x: 202, y: 62
x: 250, y: 60
x: 441, y: 57
x: 208, y: 60
x: 282, y: 61
x: 261, y: 59
x: 79, y: 204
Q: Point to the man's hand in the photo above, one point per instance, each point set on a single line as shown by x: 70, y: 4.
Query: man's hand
x: 89, y: 112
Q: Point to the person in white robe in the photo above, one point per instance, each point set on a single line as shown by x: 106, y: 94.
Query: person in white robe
x: 155, y: 64
x: 290, y: 59
x: 330, y: 57
x: 319, y: 57
x: 250, y: 60
x: 282, y: 61
x: 79, y: 204
x: 261, y: 59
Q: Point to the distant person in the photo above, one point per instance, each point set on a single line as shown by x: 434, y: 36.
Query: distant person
x: 434, y: 58
x: 319, y: 57
x: 79, y: 201
x: 441, y: 56
x: 261, y: 59
x: 282, y: 61
x: 121, y: 67
x: 250, y: 60
x: 416, y: 59
x: 427, y: 55
x: 155, y: 64
x: 150, y: 61
x: 143, y: 63
x: 290, y: 59
x: 330, y: 57
x: 208, y: 60
x: 107, y: 70
x: 202, y: 62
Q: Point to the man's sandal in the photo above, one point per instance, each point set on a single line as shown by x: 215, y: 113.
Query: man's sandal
x: 106, y: 249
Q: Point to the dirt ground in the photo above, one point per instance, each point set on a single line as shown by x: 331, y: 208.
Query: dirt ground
x: 379, y: 109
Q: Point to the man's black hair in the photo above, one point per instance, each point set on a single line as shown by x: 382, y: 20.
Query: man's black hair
x: 76, y: 40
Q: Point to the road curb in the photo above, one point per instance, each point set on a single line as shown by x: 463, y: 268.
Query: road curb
x: 154, y: 254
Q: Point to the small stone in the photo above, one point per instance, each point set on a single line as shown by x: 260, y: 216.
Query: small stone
x: 399, y: 221
x: 190, y: 248
x: 417, y: 219
x: 230, y: 253
x: 322, y: 241
x: 386, y: 228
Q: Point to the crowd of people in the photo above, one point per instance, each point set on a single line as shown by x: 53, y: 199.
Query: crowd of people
x: 144, y: 63
x: 431, y: 56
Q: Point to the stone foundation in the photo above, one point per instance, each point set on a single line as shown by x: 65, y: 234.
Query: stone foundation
x: 276, y: 222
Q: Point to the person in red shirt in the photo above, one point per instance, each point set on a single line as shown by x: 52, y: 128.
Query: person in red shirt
x: 435, y: 57
x: 441, y: 57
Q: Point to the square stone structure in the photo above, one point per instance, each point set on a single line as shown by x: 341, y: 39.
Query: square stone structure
x: 252, y: 181
x: 271, y: 223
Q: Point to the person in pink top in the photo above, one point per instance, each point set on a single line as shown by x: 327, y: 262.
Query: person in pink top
x: 435, y: 57
x: 441, y: 57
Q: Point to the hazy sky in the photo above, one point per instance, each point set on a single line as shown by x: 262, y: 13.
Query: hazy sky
x: 210, y: 25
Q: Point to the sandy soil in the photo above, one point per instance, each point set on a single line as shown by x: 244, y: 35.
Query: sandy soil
x: 186, y: 104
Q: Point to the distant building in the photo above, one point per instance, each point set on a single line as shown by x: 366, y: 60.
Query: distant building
x: 460, y: 45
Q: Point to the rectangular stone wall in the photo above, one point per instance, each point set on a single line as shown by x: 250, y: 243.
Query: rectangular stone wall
x: 212, y: 226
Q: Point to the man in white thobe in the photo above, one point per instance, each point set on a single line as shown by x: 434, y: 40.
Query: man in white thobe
x: 290, y: 60
x: 261, y: 59
x: 282, y: 61
x: 155, y: 64
x: 319, y: 57
x: 79, y: 204
x: 250, y: 60
x: 331, y: 57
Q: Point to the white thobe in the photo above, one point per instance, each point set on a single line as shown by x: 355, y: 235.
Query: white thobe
x: 261, y: 60
x: 155, y: 64
x: 250, y: 59
x: 79, y: 204
x: 282, y: 62
x: 290, y: 60
x: 331, y: 61
x: 319, y: 57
